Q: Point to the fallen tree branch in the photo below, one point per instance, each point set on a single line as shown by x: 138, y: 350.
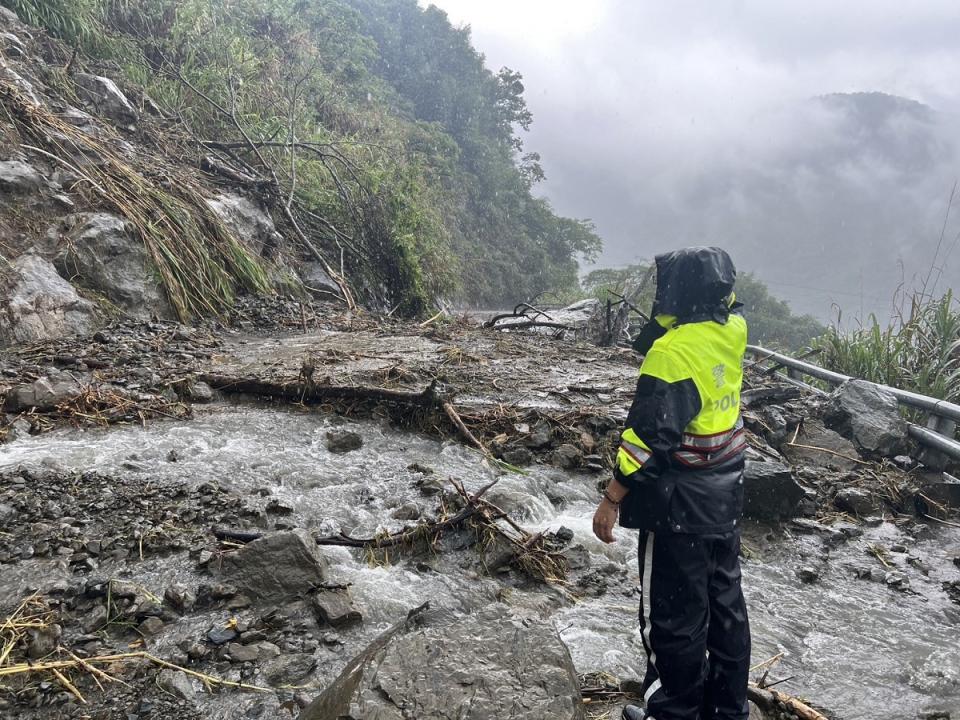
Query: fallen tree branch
x: 274, y: 181
x: 311, y: 393
x: 767, y: 700
x: 464, y: 430
x: 531, y: 324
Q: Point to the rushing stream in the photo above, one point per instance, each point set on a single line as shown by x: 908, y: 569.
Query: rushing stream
x: 855, y: 646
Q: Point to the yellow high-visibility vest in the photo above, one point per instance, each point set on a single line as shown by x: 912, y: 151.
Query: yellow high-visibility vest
x: 711, y: 355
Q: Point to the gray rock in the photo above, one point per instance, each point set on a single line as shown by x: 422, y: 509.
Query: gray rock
x: 770, y: 491
x: 276, y: 567
x: 221, y: 635
x: 541, y: 437
x: 44, y: 394
x: 23, y: 85
x: 8, y: 16
x: 567, y: 457
x: 95, y: 619
x: 37, y: 304
x: 897, y: 580
x: 18, y: 177
x: 820, y: 447
x: 103, y: 254
x: 288, y: 669
x: 577, y: 557
x: 200, y: 392
x: 335, y: 607
x: 808, y: 574
x: 88, y: 124
x: 856, y: 501
x: 518, y: 456
x: 407, y: 511
x: 12, y: 45
x: 242, y: 653
x: 315, y: 278
x: 870, y: 416
x: 249, y: 222
x: 43, y: 641
x: 266, y: 651
x: 904, y: 462
x: 176, y: 683
x: 486, y: 665
x: 180, y: 597
x: 106, y: 97
x: 944, y: 490
x: 831, y: 536
x: 342, y: 441
x: 151, y: 626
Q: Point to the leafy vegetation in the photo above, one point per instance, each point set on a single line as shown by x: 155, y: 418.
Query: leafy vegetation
x: 770, y: 320
x: 389, y: 150
x: 918, y: 351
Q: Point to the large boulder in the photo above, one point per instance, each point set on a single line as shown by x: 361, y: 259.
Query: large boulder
x: 820, y: 447
x: 316, y: 279
x: 941, y: 489
x: 46, y: 393
x: 857, y: 501
x: 17, y: 178
x: 870, y: 416
x: 37, y: 304
x: 277, y: 568
x: 249, y: 222
x: 26, y: 88
x: 106, y: 97
x: 487, y: 665
x: 102, y: 254
x: 770, y: 491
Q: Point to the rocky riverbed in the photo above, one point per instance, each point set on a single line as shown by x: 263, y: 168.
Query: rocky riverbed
x: 107, y: 544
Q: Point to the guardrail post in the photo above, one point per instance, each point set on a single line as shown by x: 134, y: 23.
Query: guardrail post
x: 934, y: 459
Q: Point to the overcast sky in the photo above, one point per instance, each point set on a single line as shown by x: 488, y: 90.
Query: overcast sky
x: 631, y: 97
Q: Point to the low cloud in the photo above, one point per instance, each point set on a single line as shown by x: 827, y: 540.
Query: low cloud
x: 685, y: 121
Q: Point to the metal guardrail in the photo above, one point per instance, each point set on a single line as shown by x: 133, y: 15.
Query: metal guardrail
x: 942, y: 415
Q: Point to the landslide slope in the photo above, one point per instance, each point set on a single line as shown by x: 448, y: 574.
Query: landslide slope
x: 167, y: 156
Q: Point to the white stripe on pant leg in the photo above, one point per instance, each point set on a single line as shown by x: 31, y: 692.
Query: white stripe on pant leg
x: 647, y: 604
x: 654, y: 686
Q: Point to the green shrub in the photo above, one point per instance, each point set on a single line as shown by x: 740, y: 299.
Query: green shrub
x: 919, y: 350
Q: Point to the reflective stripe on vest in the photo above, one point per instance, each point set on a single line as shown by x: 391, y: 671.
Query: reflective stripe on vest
x: 703, y: 451
x: 638, y: 454
x: 710, y: 443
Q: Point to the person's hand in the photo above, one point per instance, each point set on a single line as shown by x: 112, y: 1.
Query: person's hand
x: 604, y: 519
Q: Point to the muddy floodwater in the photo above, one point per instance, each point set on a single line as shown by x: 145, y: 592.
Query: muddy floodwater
x: 858, y: 647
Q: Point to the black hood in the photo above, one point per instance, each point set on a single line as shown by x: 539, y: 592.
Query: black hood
x: 693, y: 283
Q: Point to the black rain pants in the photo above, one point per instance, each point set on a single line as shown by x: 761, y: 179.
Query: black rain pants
x: 694, y: 623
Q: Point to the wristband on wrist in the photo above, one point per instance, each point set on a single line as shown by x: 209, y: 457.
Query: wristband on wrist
x: 606, y: 496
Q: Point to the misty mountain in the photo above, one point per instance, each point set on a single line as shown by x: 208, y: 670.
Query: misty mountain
x: 835, y: 201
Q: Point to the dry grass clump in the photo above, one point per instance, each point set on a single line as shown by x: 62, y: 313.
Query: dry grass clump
x: 200, y: 263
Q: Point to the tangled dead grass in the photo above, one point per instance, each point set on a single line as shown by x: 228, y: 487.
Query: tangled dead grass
x: 34, y: 615
x: 200, y: 262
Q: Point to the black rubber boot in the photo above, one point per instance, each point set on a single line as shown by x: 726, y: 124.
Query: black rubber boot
x: 633, y: 712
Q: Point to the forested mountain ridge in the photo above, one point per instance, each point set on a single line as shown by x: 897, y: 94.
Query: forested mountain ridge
x: 382, y: 142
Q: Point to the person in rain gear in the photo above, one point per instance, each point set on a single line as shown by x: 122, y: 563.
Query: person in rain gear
x: 679, y: 480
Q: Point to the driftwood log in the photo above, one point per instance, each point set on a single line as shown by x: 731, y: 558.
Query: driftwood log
x: 311, y: 393
x: 767, y: 700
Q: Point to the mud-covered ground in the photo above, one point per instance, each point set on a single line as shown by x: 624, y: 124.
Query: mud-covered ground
x: 108, y: 499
